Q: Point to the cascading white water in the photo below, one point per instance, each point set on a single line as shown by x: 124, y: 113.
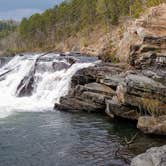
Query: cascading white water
x: 49, y: 84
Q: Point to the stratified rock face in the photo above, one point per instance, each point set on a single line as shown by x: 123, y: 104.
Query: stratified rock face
x: 114, y: 108
x: 144, y: 93
x: 90, y: 98
x: 153, y: 157
x: 125, y: 91
x: 152, y: 52
x: 87, y: 93
x: 152, y: 23
x: 136, y: 91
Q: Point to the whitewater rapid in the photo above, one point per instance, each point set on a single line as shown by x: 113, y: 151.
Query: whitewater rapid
x: 49, y: 84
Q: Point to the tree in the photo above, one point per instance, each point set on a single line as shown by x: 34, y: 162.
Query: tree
x: 23, y: 28
x: 154, y: 2
x: 136, y: 8
x: 73, y: 16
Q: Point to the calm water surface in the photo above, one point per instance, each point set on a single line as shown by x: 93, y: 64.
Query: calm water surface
x: 63, y: 139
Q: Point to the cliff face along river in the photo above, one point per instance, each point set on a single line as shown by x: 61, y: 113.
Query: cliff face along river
x: 33, y: 134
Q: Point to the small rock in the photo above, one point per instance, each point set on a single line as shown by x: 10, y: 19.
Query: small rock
x: 152, y: 125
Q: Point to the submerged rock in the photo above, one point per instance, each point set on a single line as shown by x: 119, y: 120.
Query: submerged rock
x: 57, y: 66
x: 25, y: 87
x: 152, y: 157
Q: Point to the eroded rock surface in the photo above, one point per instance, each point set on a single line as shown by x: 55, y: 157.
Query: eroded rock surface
x: 152, y: 52
x: 146, y: 30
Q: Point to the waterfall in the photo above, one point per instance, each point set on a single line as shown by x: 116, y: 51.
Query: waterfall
x: 35, y: 83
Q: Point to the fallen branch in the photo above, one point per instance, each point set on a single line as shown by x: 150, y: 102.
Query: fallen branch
x: 128, y: 142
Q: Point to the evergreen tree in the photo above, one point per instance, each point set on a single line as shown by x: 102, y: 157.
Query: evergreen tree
x: 73, y: 16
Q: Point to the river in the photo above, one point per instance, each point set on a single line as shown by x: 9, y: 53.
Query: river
x: 33, y: 134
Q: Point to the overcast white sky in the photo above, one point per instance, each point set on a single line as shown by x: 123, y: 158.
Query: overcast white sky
x: 17, y: 9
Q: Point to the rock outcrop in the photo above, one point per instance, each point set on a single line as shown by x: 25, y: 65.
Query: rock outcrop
x: 152, y: 52
x: 127, y: 91
x: 153, y: 157
x: 88, y: 93
x: 152, y: 23
x: 149, y: 124
x: 134, y: 91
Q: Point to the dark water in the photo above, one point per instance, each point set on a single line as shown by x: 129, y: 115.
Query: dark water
x: 63, y: 139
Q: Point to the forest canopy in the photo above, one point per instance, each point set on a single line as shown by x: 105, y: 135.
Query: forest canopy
x: 73, y: 16
x: 6, y: 27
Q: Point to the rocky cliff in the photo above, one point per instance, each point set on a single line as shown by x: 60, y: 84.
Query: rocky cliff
x: 135, y: 90
x: 116, y: 41
x: 151, y: 23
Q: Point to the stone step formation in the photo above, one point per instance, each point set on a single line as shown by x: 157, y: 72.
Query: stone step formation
x: 134, y: 91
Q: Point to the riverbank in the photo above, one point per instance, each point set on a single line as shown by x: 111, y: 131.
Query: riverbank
x: 135, y: 91
x: 30, y: 85
x: 135, y: 88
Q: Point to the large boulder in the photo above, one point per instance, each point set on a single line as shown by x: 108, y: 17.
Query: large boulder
x: 152, y: 125
x: 152, y: 157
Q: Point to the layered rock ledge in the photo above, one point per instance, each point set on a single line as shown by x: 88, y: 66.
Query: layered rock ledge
x: 134, y: 91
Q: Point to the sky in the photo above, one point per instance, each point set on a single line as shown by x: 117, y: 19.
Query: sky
x: 17, y: 9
